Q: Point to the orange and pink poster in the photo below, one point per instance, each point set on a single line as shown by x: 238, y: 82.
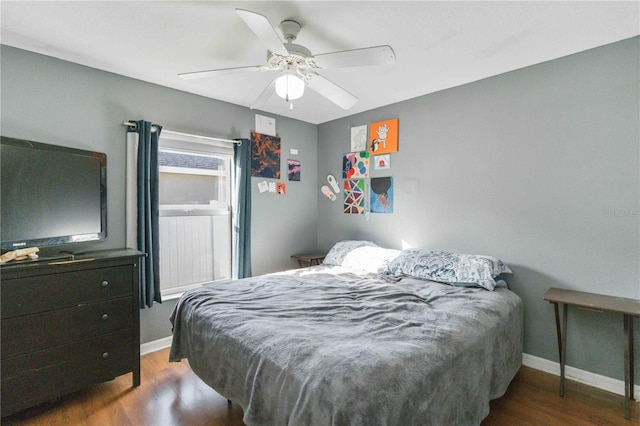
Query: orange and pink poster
x: 383, y: 137
x: 265, y: 156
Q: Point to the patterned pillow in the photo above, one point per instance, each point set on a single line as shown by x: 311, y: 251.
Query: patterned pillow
x: 368, y: 259
x: 342, y: 248
x: 450, y: 268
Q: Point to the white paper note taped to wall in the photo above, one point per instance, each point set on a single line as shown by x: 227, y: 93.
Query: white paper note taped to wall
x: 263, y: 186
x: 359, y: 138
x: 265, y: 125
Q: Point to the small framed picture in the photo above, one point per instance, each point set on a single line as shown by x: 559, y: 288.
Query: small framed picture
x: 293, y: 170
x: 382, y: 162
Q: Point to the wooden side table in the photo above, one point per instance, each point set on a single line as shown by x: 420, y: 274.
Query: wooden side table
x: 629, y: 308
x: 308, y: 259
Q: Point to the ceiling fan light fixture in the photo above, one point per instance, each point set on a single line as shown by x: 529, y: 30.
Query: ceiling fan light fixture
x: 289, y: 87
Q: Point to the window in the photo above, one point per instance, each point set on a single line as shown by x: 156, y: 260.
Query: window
x: 195, y: 207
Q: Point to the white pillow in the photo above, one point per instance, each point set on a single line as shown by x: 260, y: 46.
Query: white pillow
x: 370, y: 260
x: 342, y: 248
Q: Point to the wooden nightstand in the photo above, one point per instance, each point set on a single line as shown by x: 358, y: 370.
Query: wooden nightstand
x: 309, y: 259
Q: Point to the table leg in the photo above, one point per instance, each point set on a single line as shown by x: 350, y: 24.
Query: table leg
x: 558, y: 332
x: 561, y: 331
x: 628, y: 361
x: 631, y: 358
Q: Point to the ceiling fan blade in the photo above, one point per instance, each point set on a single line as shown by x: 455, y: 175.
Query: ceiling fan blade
x: 260, y: 25
x: 265, y: 96
x: 221, y: 71
x: 378, y: 55
x: 331, y: 91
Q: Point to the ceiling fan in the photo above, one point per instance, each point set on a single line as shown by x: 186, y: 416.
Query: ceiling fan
x: 298, y: 67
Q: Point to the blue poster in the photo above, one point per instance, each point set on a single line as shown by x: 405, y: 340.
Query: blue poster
x: 382, y: 195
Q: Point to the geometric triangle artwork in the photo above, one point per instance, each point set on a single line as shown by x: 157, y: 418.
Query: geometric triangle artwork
x: 354, y: 196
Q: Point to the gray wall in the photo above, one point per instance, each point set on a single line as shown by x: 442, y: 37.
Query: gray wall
x: 53, y: 101
x: 539, y: 167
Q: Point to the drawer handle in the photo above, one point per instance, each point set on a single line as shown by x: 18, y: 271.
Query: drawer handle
x: 105, y: 317
x: 105, y: 355
x: 104, y: 283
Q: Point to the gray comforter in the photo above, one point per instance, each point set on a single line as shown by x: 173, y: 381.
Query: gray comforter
x: 323, y: 346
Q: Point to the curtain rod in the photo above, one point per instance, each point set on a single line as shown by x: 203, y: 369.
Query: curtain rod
x: 172, y: 132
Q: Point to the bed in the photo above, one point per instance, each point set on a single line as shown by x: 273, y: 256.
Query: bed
x: 336, y: 344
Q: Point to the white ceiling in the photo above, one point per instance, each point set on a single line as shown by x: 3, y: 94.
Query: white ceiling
x: 438, y: 44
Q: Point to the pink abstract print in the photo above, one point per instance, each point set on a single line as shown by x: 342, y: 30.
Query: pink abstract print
x: 293, y: 170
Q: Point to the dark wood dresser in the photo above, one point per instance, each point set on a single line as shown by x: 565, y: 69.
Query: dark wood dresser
x: 68, y: 324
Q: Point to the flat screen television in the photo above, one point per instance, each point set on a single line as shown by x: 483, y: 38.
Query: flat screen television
x: 50, y: 195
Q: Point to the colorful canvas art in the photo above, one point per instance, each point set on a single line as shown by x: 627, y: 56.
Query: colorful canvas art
x: 382, y: 195
x: 382, y: 162
x: 354, y: 196
x: 355, y: 165
x: 359, y: 138
x: 383, y: 137
x: 293, y: 171
x: 265, y: 156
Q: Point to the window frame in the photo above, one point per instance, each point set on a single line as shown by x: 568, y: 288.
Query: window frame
x: 192, y: 144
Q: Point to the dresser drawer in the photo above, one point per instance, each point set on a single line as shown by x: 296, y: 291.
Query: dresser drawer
x: 43, y: 375
x: 27, y: 333
x: 39, y: 293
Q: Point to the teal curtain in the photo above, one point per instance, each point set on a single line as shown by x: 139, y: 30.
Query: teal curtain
x: 241, y: 222
x: 148, y: 219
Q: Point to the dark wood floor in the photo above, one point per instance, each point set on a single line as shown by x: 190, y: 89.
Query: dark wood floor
x: 171, y: 394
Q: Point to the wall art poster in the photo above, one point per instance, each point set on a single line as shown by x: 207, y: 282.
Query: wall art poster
x: 265, y: 125
x: 354, y: 196
x: 382, y: 195
x: 381, y: 162
x: 263, y: 186
x: 359, y: 138
x: 383, y: 137
x: 281, y: 188
x: 293, y: 170
x: 355, y: 165
x: 265, y: 156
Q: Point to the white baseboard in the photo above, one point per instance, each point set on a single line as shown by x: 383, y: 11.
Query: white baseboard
x: 585, y: 377
x: 581, y: 376
x: 156, y: 345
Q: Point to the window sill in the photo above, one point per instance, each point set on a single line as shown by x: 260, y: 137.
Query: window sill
x: 173, y: 294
